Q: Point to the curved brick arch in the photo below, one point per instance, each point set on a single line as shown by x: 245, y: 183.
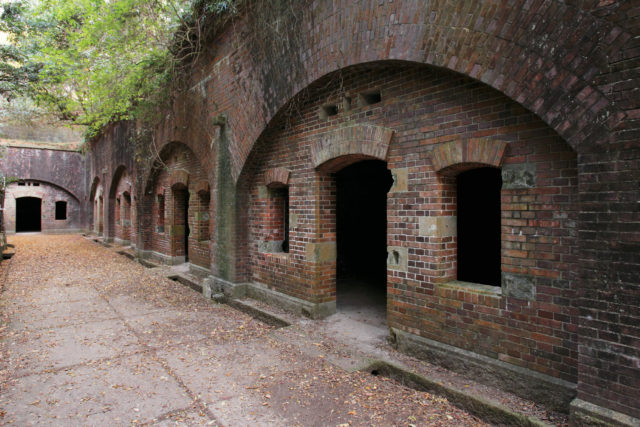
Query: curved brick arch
x: 545, y: 63
x: 120, y: 171
x: 163, y: 151
x: 58, y: 186
x: 94, y: 188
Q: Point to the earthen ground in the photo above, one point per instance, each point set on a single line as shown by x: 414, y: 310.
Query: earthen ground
x: 90, y: 337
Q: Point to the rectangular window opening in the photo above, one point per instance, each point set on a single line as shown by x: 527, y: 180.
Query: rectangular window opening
x: 160, y: 223
x: 277, y: 221
x: 285, y: 242
x: 478, y: 224
x: 61, y: 210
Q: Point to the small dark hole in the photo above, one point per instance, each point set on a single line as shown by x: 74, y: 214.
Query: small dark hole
x: 370, y: 98
x: 330, y: 110
x: 375, y: 372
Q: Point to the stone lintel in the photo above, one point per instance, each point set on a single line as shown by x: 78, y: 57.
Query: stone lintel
x: 202, y: 187
x: 179, y: 180
x: 276, y: 177
x: 349, y: 144
x: 474, y: 152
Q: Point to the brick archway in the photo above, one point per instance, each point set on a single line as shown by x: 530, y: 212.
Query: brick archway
x: 549, y: 69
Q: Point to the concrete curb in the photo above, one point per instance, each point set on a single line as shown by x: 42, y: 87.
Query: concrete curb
x: 487, y: 410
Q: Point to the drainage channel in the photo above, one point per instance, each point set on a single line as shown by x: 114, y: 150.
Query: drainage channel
x: 127, y: 254
x: 186, y: 281
x: 491, y: 412
x: 106, y: 245
x: 255, y: 312
x: 143, y: 262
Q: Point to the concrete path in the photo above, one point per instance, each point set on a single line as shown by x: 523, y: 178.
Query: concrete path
x: 90, y: 337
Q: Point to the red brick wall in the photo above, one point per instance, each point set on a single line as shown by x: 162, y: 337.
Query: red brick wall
x: 427, y: 108
x: 573, y: 64
x: 124, y: 206
x: 168, y: 239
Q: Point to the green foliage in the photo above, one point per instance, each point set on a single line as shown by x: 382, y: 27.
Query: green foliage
x: 97, y: 61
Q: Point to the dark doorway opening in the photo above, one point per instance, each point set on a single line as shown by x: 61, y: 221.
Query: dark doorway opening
x: 187, y: 231
x: 478, y: 192
x: 181, y: 231
x: 361, y: 228
x: 28, y: 214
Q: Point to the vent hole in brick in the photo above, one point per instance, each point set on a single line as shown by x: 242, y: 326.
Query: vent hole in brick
x: 370, y: 98
x: 327, y: 111
x: 346, y: 103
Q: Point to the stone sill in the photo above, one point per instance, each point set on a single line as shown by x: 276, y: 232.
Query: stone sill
x: 279, y: 255
x: 472, y: 287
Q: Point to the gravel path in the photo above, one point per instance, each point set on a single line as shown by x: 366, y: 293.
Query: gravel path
x: 90, y: 337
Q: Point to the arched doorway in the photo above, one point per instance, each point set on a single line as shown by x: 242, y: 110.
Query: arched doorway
x: 28, y: 214
x: 361, y: 233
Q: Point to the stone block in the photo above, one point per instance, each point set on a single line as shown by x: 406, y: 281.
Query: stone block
x: 176, y: 230
x: 321, y: 252
x: 293, y: 221
x: 438, y: 226
x: 263, y: 192
x: 519, y: 176
x: 518, y: 286
x: 208, y: 285
x: 270, y: 246
x: 397, y: 258
x: 400, y: 180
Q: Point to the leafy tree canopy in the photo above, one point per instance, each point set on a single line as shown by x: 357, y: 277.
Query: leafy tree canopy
x: 96, y: 61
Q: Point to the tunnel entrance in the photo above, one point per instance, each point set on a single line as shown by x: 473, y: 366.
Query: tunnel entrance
x: 28, y: 214
x: 361, y: 228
